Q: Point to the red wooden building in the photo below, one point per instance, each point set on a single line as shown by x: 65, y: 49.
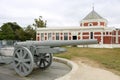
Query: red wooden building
x: 93, y: 26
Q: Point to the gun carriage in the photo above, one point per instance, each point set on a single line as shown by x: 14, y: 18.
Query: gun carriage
x: 27, y: 54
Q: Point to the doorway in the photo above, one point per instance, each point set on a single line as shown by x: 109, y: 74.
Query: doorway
x: 74, y: 37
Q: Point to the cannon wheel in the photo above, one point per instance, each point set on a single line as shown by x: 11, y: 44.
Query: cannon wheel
x: 23, y: 61
x: 43, y: 60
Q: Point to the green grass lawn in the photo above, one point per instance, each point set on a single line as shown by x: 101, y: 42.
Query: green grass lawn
x: 110, y: 58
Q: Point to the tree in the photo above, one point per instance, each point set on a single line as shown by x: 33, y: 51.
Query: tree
x: 30, y: 33
x: 13, y: 25
x: 21, y: 34
x: 12, y: 31
x: 8, y: 31
x: 39, y: 23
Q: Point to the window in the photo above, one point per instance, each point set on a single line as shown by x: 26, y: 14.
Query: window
x: 38, y: 33
x: 65, y: 36
x: 106, y: 33
x: 42, y: 36
x: 49, y: 36
x: 69, y: 33
x: 90, y: 24
x: 103, y: 33
x: 57, y: 36
x: 91, y: 35
x: 78, y: 33
x: 110, y: 33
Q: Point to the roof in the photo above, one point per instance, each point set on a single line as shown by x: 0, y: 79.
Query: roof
x: 93, y: 15
x: 75, y: 29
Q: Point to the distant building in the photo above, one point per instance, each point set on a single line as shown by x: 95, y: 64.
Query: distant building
x: 93, y: 26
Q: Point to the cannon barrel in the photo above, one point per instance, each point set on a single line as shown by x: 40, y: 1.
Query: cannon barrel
x: 57, y: 43
x: 40, y: 52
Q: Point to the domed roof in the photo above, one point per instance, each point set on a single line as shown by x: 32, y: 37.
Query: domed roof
x: 93, y: 19
x: 93, y: 15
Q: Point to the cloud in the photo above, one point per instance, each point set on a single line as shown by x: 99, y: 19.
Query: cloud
x: 57, y: 12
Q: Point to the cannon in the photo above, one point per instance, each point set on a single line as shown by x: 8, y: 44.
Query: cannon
x: 27, y: 54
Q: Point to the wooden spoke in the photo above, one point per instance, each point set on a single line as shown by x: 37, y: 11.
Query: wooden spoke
x: 44, y: 60
x: 26, y: 60
x: 23, y: 61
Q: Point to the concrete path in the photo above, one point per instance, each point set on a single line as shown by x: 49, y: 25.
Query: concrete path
x: 86, y: 72
x: 56, y: 70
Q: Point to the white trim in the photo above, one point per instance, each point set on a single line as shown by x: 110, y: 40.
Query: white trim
x: 101, y: 38
x: 116, y: 36
x: 81, y: 36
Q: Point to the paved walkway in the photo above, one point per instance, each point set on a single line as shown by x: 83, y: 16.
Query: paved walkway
x: 87, y: 72
x: 56, y: 70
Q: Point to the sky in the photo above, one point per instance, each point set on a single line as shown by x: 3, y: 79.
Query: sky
x: 58, y: 13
